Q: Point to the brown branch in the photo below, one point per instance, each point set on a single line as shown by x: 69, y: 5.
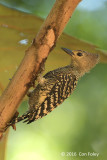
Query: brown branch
x: 43, y: 43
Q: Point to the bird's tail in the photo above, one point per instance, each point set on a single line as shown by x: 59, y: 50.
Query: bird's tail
x: 28, y: 117
x: 24, y: 116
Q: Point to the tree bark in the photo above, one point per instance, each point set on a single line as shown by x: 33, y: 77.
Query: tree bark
x: 35, y: 55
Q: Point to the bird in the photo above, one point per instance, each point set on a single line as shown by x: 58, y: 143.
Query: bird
x: 57, y: 85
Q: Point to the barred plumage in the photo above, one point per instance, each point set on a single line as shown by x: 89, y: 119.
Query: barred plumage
x: 49, y: 95
x: 57, y: 86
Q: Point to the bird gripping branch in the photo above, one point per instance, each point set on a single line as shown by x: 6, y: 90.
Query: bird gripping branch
x: 57, y: 85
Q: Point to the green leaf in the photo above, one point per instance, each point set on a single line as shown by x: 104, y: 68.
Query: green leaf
x: 17, y: 30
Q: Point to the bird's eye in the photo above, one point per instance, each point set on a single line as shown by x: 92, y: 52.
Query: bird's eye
x: 79, y: 54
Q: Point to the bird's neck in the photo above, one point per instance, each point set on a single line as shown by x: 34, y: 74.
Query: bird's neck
x: 77, y: 70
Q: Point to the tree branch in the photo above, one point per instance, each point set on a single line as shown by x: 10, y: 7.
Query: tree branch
x: 35, y: 55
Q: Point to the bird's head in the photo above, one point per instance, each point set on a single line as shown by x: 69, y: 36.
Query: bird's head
x: 82, y: 61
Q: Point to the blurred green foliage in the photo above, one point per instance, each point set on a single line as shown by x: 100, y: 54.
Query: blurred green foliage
x: 90, y: 26
x: 80, y: 123
x: 87, y: 25
x: 17, y: 34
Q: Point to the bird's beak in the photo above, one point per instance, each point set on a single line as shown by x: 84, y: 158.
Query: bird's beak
x: 68, y: 51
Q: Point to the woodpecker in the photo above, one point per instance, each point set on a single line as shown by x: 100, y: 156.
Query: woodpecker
x: 57, y: 85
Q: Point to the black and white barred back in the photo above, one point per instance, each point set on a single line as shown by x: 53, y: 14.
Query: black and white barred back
x: 57, y: 85
x: 56, y: 88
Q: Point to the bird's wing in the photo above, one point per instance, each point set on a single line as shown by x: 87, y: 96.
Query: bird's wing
x: 57, y: 93
x: 40, y: 93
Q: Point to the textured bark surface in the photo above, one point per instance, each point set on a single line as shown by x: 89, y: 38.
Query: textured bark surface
x: 35, y: 55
